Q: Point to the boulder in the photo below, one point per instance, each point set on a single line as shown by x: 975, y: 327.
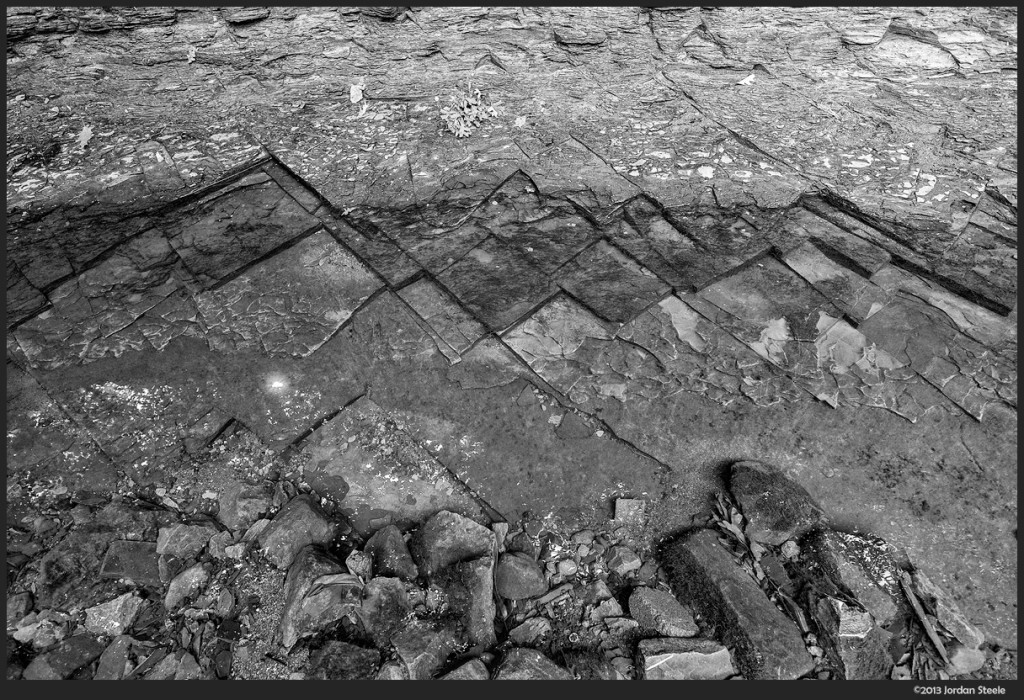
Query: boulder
x: 519, y: 576
x: 447, y: 538
x: 766, y: 644
x: 776, y: 508
x: 299, y: 523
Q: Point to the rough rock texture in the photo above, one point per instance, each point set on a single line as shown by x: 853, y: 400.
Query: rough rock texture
x: 708, y: 234
x: 684, y: 660
x: 518, y: 576
x: 520, y: 664
x: 766, y: 643
x: 448, y: 538
x: 341, y: 661
x: 660, y: 612
x: 390, y: 554
x: 776, y: 508
x: 298, y: 524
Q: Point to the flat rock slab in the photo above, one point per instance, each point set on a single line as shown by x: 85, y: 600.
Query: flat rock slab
x: 521, y: 664
x: 776, y: 508
x: 230, y: 230
x: 684, y: 660
x: 452, y: 323
x: 611, y: 284
x: 290, y: 304
x: 497, y: 283
x: 766, y: 643
x: 469, y: 587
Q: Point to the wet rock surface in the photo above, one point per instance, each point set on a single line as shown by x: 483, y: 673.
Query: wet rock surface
x: 264, y: 295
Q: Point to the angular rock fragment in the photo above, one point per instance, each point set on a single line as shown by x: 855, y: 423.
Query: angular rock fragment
x: 766, y: 644
x: 115, y: 616
x: 684, y: 660
x: 69, y: 656
x: 946, y: 611
x: 318, y: 593
x: 519, y: 664
x: 424, y: 646
x: 518, y: 576
x: 776, y: 508
x: 341, y: 661
x: 470, y: 671
x: 240, y: 505
x: 622, y: 560
x: 861, y: 646
x: 183, y: 541
x: 299, y: 523
x: 186, y: 585
x: 113, y: 659
x: 448, y: 538
x: 660, y: 612
x: 390, y: 554
x: 530, y: 632
x: 384, y: 609
x: 867, y: 567
x: 469, y: 587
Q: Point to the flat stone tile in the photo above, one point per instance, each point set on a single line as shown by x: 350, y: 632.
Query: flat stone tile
x: 435, y: 248
x: 704, y: 574
x: 551, y: 341
x: 450, y: 321
x: 853, y: 294
x: 675, y: 254
x: 289, y: 304
x: 703, y: 358
x: 918, y: 337
x: 865, y: 257
x: 379, y: 251
x: 299, y: 192
x: 390, y: 478
x: 496, y: 283
x: 228, y: 230
x: 609, y: 283
x: 92, y: 315
x: 773, y: 311
x: 22, y: 298
x: 547, y: 233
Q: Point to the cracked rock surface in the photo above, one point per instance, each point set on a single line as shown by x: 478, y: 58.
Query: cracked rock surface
x: 302, y: 383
